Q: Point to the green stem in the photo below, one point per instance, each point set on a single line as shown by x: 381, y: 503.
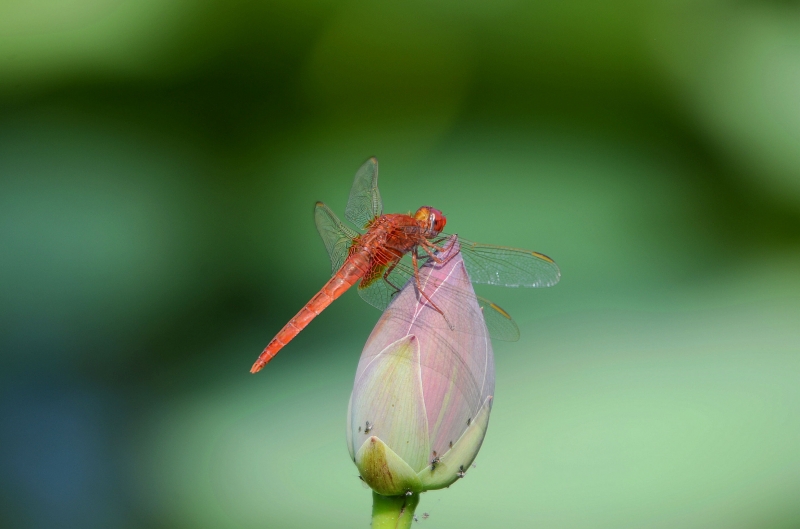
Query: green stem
x: 393, y: 512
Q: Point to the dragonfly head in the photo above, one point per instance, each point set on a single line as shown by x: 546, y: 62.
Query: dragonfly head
x: 431, y: 220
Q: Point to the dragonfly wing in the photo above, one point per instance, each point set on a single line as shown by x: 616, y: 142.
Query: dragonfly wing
x: 509, y: 267
x: 335, y: 235
x: 379, y: 292
x: 499, y: 322
x: 364, y: 203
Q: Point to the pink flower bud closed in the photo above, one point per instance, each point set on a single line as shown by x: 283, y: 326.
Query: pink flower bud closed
x: 424, y: 384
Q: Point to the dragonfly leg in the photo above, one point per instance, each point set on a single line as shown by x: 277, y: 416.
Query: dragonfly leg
x: 424, y: 295
x: 437, y: 244
x: 435, y: 259
x: 430, y: 254
x: 386, y: 277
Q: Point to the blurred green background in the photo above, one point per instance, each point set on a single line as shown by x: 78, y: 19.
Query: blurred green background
x: 159, y: 162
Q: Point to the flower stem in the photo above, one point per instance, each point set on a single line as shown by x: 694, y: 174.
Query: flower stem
x: 393, y: 512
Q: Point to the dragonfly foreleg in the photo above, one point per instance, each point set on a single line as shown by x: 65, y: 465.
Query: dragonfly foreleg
x: 436, y: 243
x: 426, y: 246
x: 422, y: 292
x: 430, y: 254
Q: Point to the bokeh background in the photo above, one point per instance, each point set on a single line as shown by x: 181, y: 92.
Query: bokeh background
x: 159, y: 162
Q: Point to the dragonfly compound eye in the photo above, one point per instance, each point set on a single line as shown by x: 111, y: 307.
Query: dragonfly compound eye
x: 438, y: 221
x: 431, y: 219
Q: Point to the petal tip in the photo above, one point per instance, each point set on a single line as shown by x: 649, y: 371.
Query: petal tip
x: 383, y: 470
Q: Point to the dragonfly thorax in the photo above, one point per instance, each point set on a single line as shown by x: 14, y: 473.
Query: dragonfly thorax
x: 431, y: 220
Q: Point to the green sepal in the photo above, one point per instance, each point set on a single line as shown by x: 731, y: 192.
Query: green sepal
x: 384, y: 471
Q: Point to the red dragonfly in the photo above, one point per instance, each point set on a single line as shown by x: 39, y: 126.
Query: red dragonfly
x: 375, y: 258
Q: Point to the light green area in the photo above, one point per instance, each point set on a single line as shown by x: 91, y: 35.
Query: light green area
x: 159, y: 164
x: 602, y: 419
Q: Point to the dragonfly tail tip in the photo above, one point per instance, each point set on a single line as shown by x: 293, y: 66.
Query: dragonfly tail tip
x: 257, y: 366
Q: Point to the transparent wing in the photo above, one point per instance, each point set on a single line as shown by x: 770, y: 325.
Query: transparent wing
x: 379, y: 293
x: 364, y: 203
x: 337, y: 237
x: 500, y: 323
x: 508, y: 267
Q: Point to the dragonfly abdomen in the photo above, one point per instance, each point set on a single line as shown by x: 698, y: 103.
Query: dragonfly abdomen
x: 351, y: 271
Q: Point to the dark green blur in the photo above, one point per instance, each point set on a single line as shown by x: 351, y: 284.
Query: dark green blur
x: 159, y: 163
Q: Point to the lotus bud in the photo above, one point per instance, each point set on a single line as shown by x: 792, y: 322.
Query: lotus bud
x: 424, y: 384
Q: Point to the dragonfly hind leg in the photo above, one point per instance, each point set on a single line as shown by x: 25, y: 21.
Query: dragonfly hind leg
x: 386, y: 277
x: 422, y: 292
